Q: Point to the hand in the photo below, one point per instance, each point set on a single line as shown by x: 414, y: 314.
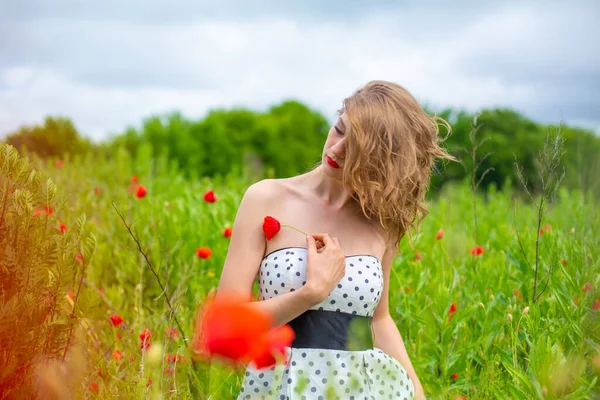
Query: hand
x: 325, y: 266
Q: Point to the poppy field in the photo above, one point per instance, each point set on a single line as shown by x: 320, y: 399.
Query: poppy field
x: 121, y: 254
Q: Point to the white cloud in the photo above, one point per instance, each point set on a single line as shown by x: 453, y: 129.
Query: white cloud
x: 107, y: 74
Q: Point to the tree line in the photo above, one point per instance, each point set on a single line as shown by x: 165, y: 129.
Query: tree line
x: 288, y: 138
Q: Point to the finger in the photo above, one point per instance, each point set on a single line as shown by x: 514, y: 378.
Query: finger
x: 340, y: 246
x: 324, y: 237
x: 311, y: 246
x: 336, y: 241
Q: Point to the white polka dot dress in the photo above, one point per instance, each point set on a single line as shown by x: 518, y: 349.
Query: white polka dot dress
x: 326, y: 361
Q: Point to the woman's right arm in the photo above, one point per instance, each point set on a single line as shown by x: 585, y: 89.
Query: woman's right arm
x: 245, y: 254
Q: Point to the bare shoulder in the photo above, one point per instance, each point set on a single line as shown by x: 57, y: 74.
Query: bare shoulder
x: 386, y: 240
x: 263, y: 191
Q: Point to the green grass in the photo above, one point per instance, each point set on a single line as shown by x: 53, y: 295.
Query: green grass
x: 495, y: 349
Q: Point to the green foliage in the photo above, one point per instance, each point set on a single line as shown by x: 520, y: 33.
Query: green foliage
x: 37, y: 268
x: 55, y: 138
x: 509, y: 134
x: 284, y: 140
x: 289, y: 137
x: 548, y: 351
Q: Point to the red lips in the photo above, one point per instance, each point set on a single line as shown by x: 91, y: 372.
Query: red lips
x: 331, y: 162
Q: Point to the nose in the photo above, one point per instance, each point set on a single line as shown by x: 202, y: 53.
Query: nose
x: 339, y: 149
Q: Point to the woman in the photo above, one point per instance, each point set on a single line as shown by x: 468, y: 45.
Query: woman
x: 362, y: 197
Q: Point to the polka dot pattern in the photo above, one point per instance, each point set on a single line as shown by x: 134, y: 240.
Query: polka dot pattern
x: 358, y: 292
x: 330, y: 374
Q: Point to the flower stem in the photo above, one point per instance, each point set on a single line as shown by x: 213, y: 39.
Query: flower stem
x: 305, y: 234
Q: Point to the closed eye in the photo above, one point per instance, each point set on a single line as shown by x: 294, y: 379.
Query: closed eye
x: 338, y: 130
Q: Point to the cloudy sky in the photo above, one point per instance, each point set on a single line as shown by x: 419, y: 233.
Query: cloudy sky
x: 109, y: 64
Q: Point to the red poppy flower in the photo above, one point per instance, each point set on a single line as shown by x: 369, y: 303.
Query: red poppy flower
x: 62, y: 227
x: 587, y: 287
x: 230, y: 327
x: 175, y: 359
x: 452, y: 308
x: 227, y: 232
x: 134, y: 179
x: 477, y: 251
x: 209, y: 196
x: 117, y: 355
x: 417, y: 255
x: 203, y: 252
x: 115, y: 320
x: 145, y: 337
x: 451, y: 311
x: 140, y: 191
x: 563, y: 261
x: 79, y: 258
x: 271, y: 227
x: 274, y: 342
x: 171, y: 333
x: 454, y: 376
x: 59, y: 163
x: 94, y: 388
x: 440, y: 234
x: 97, y: 191
x: 45, y: 210
x: 149, y: 382
x: 596, y: 305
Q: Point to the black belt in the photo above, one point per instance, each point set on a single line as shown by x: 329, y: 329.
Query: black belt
x: 319, y: 329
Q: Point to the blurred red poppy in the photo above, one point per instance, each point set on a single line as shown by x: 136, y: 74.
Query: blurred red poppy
x: 117, y: 355
x: 171, y: 333
x: 62, y: 227
x: 274, y: 342
x: 477, y: 251
x: 115, y: 320
x: 440, y: 234
x: 145, y: 337
x: 134, y: 179
x: 94, y: 388
x: 203, y: 252
x: 79, y: 258
x: 230, y: 327
x: 417, y: 255
x: 227, y: 232
x: 140, y: 191
x: 451, y: 311
x: 209, y: 196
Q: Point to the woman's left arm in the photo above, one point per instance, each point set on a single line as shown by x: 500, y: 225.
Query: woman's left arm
x: 387, y: 336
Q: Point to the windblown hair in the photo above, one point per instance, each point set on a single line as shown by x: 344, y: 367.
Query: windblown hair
x: 391, y: 149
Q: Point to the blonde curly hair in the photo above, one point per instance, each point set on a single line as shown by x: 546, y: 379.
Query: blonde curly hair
x: 391, y: 149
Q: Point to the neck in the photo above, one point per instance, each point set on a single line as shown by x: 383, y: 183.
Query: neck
x: 329, y: 190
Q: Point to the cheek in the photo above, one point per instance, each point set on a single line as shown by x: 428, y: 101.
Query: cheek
x: 328, y: 142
